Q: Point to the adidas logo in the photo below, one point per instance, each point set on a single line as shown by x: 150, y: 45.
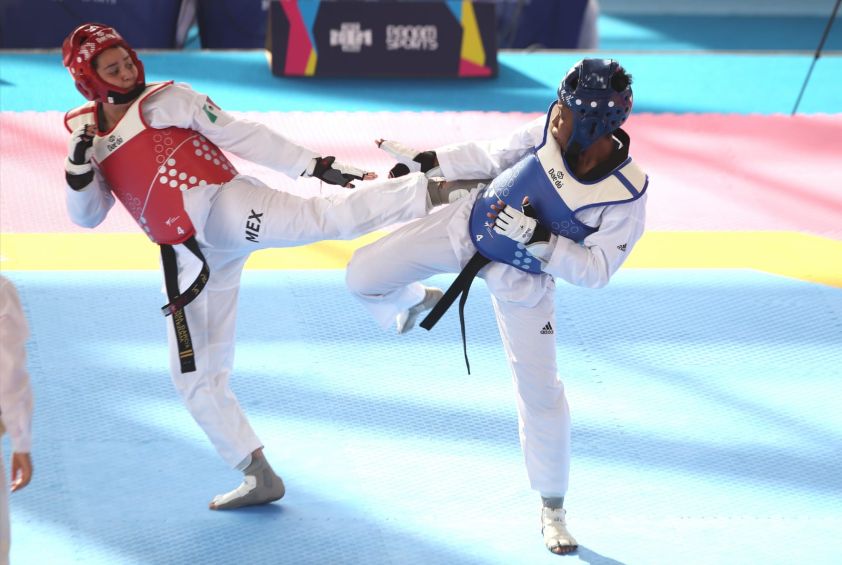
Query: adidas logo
x: 548, y: 329
x: 622, y: 247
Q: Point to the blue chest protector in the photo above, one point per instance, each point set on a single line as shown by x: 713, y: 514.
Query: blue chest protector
x: 556, y: 196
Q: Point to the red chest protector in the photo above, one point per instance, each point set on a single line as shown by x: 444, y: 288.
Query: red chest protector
x: 147, y: 169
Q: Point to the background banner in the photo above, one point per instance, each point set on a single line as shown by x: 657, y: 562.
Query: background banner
x: 421, y: 38
x: 43, y: 24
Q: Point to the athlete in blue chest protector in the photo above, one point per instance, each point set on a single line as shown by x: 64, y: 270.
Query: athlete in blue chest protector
x: 561, y: 199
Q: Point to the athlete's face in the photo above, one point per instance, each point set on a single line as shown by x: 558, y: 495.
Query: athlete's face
x: 116, y: 67
x: 562, y: 124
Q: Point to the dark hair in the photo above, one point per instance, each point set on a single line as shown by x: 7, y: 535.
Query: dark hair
x: 621, y: 80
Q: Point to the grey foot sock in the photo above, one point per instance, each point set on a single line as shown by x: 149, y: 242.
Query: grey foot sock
x: 445, y: 192
x: 260, y: 486
x: 553, y: 501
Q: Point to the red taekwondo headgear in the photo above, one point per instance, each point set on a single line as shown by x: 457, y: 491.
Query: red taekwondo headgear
x: 79, y: 50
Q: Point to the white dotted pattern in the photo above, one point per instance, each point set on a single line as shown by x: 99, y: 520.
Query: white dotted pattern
x: 178, y: 172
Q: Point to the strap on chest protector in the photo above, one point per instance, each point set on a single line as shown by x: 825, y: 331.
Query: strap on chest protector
x: 178, y: 301
x: 461, y: 285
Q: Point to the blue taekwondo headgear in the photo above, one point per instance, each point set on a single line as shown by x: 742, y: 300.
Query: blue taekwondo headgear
x: 597, y: 108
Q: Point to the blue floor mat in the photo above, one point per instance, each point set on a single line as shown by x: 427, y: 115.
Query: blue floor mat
x: 705, y: 427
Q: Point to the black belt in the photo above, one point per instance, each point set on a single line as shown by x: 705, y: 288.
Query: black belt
x: 178, y: 301
x: 461, y: 285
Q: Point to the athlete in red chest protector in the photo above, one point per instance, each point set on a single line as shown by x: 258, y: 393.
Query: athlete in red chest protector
x: 158, y: 148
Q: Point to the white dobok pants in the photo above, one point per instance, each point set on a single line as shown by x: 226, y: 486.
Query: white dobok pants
x: 220, y: 215
x: 384, y: 276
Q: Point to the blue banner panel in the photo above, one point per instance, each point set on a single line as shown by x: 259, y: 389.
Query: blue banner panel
x: 232, y: 24
x: 43, y: 24
x: 545, y: 24
x: 388, y: 38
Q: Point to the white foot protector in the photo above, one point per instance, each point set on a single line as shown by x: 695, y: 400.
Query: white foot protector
x: 260, y: 486
x: 405, y: 321
x: 554, y: 527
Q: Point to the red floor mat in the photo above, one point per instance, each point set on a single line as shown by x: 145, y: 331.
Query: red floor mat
x: 708, y: 172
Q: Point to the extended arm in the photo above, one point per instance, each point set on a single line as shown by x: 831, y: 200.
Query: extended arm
x: 467, y: 160
x: 487, y: 159
x: 180, y: 106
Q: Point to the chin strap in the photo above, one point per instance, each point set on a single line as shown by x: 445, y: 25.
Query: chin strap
x: 115, y: 97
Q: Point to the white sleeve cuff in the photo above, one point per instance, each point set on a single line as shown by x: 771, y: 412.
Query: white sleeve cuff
x: 75, y: 169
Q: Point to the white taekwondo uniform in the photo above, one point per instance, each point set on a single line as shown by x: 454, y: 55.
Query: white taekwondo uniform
x: 230, y: 218
x: 384, y: 276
